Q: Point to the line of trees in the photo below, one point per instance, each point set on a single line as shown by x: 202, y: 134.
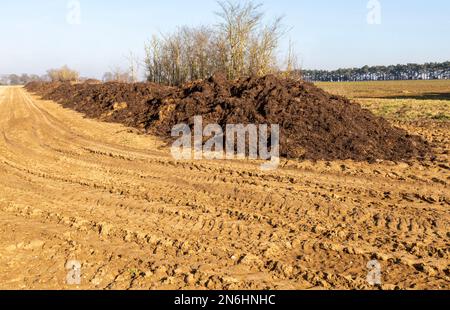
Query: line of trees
x: 427, y: 71
x: 14, y: 79
x: 240, y: 44
x: 128, y: 75
x: 117, y: 74
x: 63, y: 74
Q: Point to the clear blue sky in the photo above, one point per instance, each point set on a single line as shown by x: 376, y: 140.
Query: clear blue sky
x: 328, y: 34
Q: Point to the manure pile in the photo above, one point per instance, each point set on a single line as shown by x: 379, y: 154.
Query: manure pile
x: 314, y: 125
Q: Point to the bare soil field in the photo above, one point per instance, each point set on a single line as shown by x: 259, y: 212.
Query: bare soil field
x: 421, y: 89
x: 398, y: 100
x: 116, y: 201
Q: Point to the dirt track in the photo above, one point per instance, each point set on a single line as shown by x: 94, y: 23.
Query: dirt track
x: 72, y: 188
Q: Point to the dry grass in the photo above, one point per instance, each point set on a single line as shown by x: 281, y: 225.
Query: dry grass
x: 399, y: 100
x: 409, y: 109
x: 391, y: 89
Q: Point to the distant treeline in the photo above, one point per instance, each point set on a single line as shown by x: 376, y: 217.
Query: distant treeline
x: 428, y: 71
x: 53, y: 75
x: 14, y: 79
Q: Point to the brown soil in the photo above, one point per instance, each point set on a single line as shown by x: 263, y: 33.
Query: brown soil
x: 314, y: 124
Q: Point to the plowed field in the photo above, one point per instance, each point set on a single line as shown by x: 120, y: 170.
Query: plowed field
x: 99, y: 193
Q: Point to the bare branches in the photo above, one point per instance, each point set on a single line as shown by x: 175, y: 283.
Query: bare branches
x: 63, y: 74
x: 292, y: 67
x: 186, y: 55
x: 239, y: 45
x: 238, y: 26
x: 118, y: 75
x: 133, y: 67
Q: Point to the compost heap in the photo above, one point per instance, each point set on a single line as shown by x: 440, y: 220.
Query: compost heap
x: 314, y: 125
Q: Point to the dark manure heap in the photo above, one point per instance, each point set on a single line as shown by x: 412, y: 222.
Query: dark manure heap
x: 314, y: 125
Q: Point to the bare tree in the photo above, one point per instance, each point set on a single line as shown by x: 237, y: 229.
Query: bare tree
x: 133, y: 67
x: 120, y: 75
x: 153, y: 60
x: 107, y: 77
x: 239, y: 22
x: 14, y: 79
x: 4, y: 80
x: 64, y: 74
x: 292, y: 68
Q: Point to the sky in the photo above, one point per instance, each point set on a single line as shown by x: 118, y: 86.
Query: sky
x: 327, y: 34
